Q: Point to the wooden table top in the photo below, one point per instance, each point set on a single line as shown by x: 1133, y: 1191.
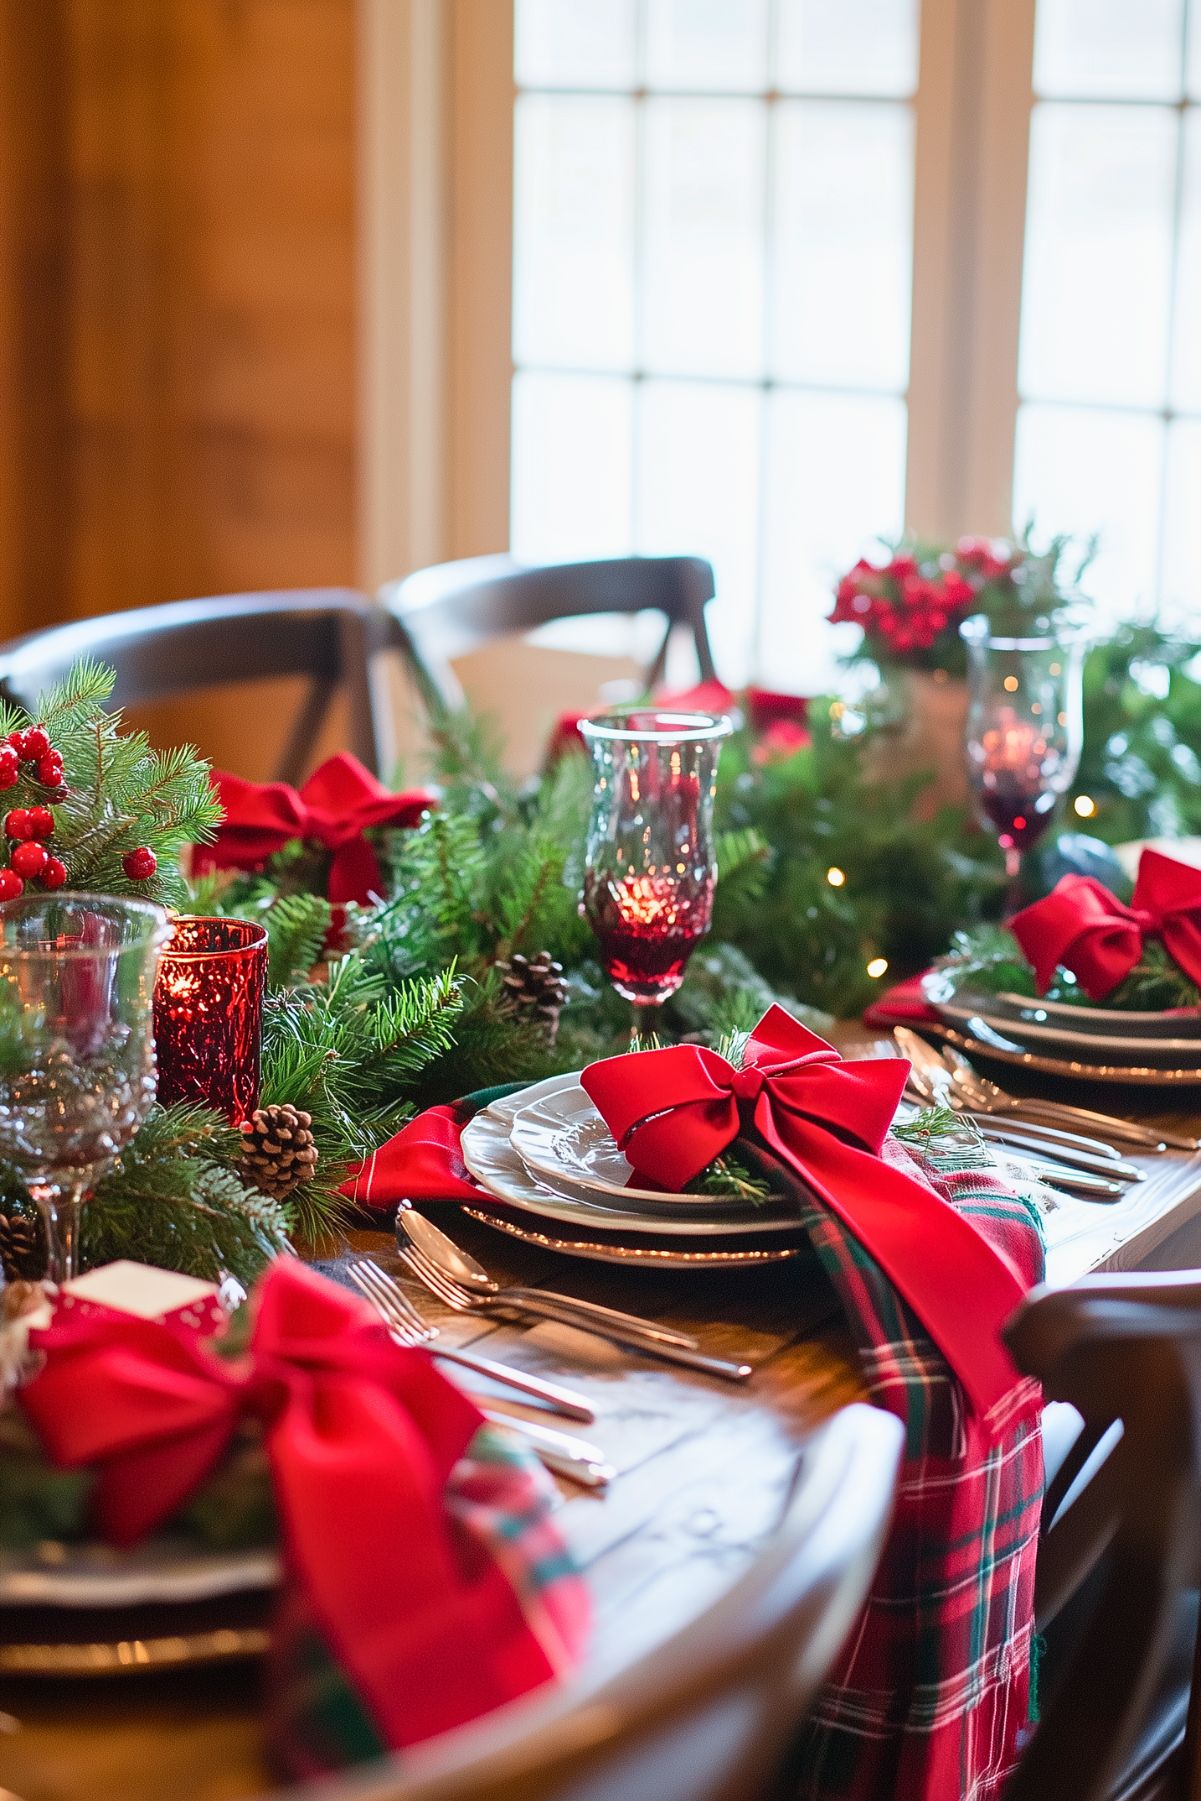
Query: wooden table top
x: 703, y: 1468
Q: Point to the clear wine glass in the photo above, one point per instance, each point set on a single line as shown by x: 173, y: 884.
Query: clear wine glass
x: 650, y: 869
x: 1025, y: 731
x: 76, y: 1047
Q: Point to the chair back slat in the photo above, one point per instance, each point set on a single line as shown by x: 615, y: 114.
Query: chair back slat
x: 711, y: 1715
x: 450, y: 609
x: 330, y: 636
x: 1120, y: 1349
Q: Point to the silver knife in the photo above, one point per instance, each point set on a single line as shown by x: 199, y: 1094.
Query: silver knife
x: 567, y: 1456
x: 564, y: 1400
x: 1150, y: 1137
x: 1022, y: 1138
x: 1072, y: 1181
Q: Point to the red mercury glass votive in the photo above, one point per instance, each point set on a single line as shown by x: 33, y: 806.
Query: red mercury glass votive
x: 208, y: 1015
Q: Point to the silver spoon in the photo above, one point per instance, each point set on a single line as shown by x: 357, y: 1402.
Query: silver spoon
x: 462, y: 1267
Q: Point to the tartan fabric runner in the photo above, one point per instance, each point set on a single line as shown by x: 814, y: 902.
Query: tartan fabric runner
x: 930, y: 1697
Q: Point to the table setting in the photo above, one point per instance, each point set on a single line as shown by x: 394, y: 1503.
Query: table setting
x: 423, y: 1159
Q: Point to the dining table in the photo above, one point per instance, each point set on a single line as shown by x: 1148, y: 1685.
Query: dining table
x: 702, y: 1467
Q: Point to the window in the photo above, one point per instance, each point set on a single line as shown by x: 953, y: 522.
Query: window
x: 786, y: 275
x: 1109, y: 426
x: 713, y: 213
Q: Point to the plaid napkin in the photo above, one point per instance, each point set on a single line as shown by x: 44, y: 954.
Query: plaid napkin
x: 931, y: 1696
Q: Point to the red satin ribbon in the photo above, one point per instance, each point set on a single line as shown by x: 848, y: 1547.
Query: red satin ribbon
x: 673, y: 1111
x: 1088, y: 930
x: 335, y: 807
x: 361, y: 1438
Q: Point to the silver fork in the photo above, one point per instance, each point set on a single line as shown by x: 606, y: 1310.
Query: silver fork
x: 461, y: 1300
x: 562, y: 1453
x: 405, y: 1323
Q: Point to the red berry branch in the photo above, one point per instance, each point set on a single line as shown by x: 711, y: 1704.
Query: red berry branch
x: 27, y: 828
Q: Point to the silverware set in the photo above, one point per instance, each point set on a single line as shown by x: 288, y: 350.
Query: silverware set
x: 461, y: 1283
x: 1044, y: 1135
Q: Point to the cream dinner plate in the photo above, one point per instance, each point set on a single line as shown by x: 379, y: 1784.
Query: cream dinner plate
x: 163, y: 1571
x: 561, y: 1137
x: 493, y: 1160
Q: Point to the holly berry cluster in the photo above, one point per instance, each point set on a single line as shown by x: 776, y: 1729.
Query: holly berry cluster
x: 31, y: 753
x: 27, y: 828
x: 908, y: 603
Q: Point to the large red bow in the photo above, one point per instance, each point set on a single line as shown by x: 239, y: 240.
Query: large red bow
x: 334, y: 808
x: 673, y: 1111
x: 361, y: 1438
x: 1088, y: 930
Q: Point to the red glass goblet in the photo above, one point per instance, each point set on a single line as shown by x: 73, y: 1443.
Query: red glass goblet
x: 1024, y: 732
x: 208, y: 1015
x: 650, y: 870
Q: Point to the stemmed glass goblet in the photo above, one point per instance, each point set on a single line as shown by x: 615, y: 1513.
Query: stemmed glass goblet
x: 76, y: 1047
x: 1025, y: 731
x: 650, y: 869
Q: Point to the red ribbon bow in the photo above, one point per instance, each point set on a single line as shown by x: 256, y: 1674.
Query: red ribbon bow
x: 361, y: 1438
x: 673, y: 1111
x: 1088, y: 930
x: 335, y: 807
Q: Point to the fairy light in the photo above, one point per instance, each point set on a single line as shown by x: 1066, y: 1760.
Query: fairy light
x: 877, y: 967
x: 836, y: 877
x: 1084, y: 806
x: 1011, y: 684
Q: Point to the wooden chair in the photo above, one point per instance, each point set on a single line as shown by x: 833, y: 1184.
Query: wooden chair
x: 452, y: 608
x: 710, y: 1715
x: 1124, y: 1523
x: 330, y: 635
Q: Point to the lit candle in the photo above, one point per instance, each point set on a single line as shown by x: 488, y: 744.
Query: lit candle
x: 208, y: 1015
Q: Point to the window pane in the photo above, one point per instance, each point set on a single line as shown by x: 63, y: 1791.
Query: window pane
x: 1108, y: 49
x: 706, y: 44
x: 1182, y: 576
x: 842, y: 224
x: 573, y: 46
x: 835, y: 479
x: 703, y: 237
x: 1081, y: 470
x: 698, y: 491
x: 1186, y: 373
x: 1098, y: 253
x: 573, y: 249
x: 847, y: 46
x: 572, y: 438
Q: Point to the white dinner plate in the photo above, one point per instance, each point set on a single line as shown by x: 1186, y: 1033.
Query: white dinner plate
x: 562, y: 1138
x: 492, y: 1159
x: 162, y: 1571
x: 1059, y: 1031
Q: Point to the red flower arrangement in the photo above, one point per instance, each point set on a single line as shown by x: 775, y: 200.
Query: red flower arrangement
x: 910, y: 607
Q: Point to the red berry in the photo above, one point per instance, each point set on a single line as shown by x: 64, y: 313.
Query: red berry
x: 19, y: 824
x: 54, y: 874
x: 50, y: 771
x: 10, y: 766
x: 30, y: 859
x: 41, y: 823
x: 37, y: 744
x: 10, y: 885
x: 140, y: 864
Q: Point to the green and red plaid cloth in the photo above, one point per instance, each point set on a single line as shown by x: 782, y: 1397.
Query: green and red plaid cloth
x: 931, y: 1696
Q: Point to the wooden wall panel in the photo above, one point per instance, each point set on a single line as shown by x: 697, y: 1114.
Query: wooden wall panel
x: 211, y: 166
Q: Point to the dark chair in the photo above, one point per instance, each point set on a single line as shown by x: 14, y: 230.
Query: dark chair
x: 709, y: 1715
x: 1121, y: 1540
x: 452, y: 608
x: 330, y: 635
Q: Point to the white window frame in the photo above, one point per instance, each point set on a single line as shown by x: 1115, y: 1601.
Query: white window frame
x: 436, y: 239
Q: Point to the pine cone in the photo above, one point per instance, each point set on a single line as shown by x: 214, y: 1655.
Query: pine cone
x: 22, y: 1247
x: 535, y: 989
x: 278, y: 1150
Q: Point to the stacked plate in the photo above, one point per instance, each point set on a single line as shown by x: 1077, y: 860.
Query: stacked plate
x: 1098, y: 1044
x: 550, y: 1158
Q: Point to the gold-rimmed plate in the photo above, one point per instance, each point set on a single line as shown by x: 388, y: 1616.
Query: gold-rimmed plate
x: 643, y: 1254
x: 979, y: 1039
